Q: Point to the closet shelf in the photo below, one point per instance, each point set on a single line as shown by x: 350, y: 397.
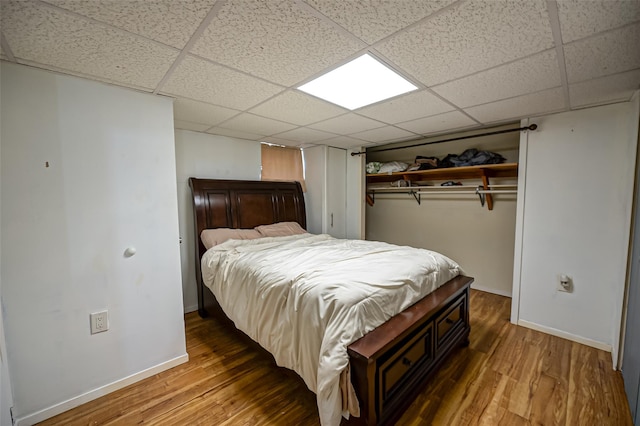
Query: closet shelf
x: 484, y: 172
x: 505, y: 170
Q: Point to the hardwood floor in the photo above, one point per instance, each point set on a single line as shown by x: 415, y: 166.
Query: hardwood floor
x: 508, y: 375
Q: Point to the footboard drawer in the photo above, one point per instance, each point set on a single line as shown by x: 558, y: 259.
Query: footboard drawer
x: 451, y: 320
x: 390, y: 364
x: 403, y: 362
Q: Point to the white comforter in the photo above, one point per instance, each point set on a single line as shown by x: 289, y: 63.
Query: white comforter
x: 305, y: 298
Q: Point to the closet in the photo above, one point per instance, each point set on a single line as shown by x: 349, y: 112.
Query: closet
x: 326, y: 200
x: 452, y: 220
x: 419, y: 183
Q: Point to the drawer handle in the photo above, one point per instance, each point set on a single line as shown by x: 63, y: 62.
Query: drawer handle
x: 448, y: 321
x: 406, y: 361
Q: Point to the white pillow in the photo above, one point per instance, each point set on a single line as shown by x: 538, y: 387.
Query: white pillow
x: 280, y: 229
x: 213, y: 237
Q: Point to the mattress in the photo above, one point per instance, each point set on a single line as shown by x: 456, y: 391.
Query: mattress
x: 305, y: 298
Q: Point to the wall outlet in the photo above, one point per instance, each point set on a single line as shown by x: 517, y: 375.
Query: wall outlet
x: 565, y: 283
x: 99, y: 322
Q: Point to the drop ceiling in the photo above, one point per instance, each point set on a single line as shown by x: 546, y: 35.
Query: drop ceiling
x: 233, y: 65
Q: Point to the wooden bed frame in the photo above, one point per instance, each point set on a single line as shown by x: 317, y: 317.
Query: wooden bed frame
x: 390, y: 364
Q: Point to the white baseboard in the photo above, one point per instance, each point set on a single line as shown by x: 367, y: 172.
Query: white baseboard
x: 61, y: 407
x: 565, y: 335
x: 490, y: 290
x: 190, y: 308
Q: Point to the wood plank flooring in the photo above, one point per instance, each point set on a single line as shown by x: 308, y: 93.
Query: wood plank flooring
x: 508, y: 375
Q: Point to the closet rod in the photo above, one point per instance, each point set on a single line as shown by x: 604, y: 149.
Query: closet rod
x: 449, y: 192
x: 497, y: 132
x: 480, y: 191
x: 453, y: 188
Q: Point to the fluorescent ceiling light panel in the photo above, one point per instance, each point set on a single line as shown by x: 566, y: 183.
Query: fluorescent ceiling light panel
x: 360, y: 82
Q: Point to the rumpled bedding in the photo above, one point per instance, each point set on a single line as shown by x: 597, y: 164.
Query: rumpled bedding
x: 305, y: 298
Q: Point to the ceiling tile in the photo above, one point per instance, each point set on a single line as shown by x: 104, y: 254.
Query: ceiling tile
x: 407, y: 107
x: 295, y: 107
x: 613, y: 88
x: 497, y: 55
x: 348, y: 123
x: 373, y: 20
x: 167, y: 21
x: 438, y: 123
x: 199, y: 79
x: 384, y: 134
x: 46, y: 35
x: 345, y: 142
x: 275, y: 40
x: 82, y: 75
x: 235, y: 134
x: 200, y: 112
x: 256, y: 124
x: 547, y: 101
x: 305, y: 135
x: 580, y: 18
x: 528, y: 75
x: 279, y: 141
x: 186, y: 125
x: 474, y: 36
x: 604, y: 54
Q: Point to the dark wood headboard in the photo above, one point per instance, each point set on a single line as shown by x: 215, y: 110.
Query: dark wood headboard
x: 241, y: 204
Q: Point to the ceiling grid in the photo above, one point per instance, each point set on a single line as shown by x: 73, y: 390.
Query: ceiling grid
x: 234, y: 66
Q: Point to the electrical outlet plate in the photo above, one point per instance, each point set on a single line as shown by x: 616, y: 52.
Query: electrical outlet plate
x: 99, y: 322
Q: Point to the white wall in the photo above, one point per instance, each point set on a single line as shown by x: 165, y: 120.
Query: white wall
x: 87, y: 171
x: 321, y: 194
x: 210, y: 157
x: 6, y: 396
x: 481, y: 241
x: 356, y: 185
x: 576, y: 221
x: 315, y: 172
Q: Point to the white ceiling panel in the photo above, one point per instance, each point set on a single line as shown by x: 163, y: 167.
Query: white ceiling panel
x: 345, y: 142
x: 348, y: 123
x: 474, y: 36
x: 387, y: 133
x: 187, y: 125
x: 535, y: 73
x: 275, y: 40
x: 609, y: 53
x: 438, y: 123
x: 235, y: 134
x: 278, y: 140
x: 374, y: 20
x: 407, y: 107
x: 256, y: 124
x: 198, y: 79
x: 580, y: 18
x: 234, y: 65
x: 168, y: 21
x: 201, y: 112
x: 306, y: 135
x: 522, y: 106
x: 613, y: 88
x: 81, y: 75
x: 296, y: 107
x: 46, y: 35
